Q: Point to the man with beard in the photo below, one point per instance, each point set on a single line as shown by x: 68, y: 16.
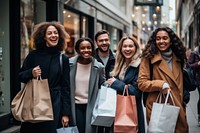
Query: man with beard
x: 103, y: 53
x: 106, y: 57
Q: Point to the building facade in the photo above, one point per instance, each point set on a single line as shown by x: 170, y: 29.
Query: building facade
x: 188, y: 21
x: 81, y: 18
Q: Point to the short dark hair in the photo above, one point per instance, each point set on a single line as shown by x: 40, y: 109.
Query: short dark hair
x: 100, y: 33
x: 80, y: 40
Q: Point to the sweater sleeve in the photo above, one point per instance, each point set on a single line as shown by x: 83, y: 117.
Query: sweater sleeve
x: 65, y: 92
x: 25, y: 73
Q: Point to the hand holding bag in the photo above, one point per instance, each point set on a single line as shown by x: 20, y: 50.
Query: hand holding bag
x: 105, y: 106
x: 73, y: 129
x: 33, y: 102
x: 126, y: 120
x: 163, y: 116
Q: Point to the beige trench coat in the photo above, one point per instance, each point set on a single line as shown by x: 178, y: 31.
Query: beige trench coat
x: 161, y: 74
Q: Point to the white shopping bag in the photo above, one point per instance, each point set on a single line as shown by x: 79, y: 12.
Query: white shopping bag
x: 105, y: 107
x: 73, y: 129
x: 163, y: 116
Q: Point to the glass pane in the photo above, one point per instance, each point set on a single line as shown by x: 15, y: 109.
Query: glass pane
x: 72, y: 25
x: 27, y: 17
x: 4, y: 58
x: 84, y: 22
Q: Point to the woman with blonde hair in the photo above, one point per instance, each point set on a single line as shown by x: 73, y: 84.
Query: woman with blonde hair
x: 126, y: 71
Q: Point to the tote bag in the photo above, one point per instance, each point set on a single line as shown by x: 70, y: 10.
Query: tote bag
x: 126, y: 120
x: 105, y: 106
x: 68, y: 130
x: 163, y: 116
x: 33, y: 102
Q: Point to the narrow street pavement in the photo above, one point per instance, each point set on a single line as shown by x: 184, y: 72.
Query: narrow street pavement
x: 192, y: 112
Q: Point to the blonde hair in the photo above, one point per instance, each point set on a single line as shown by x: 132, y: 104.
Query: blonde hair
x: 120, y: 59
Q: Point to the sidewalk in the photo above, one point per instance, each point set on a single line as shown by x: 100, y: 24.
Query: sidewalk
x: 191, y: 111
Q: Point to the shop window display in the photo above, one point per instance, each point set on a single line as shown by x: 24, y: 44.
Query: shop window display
x: 4, y: 59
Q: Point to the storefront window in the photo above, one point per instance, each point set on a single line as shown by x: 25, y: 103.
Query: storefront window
x: 27, y: 23
x: 114, y: 34
x: 114, y: 37
x: 84, y: 27
x: 31, y: 13
x: 4, y: 59
x: 72, y: 25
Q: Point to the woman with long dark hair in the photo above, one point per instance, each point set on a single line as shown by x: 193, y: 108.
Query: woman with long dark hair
x: 166, y: 53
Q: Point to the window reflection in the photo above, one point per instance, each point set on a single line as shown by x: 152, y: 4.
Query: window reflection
x: 27, y: 16
x: 72, y: 25
x: 84, y: 26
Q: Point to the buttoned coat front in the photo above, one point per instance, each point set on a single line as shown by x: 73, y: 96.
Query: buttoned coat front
x: 97, y: 77
x: 162, y: 73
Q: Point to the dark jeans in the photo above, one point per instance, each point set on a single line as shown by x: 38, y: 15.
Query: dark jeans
x: 42, y: 127
x: 105, y: 129
x: 81, y: 117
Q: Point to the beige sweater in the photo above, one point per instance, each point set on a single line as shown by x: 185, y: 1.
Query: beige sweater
x: 82, y: 83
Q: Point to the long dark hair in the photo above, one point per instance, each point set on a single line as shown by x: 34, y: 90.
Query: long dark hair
x: 176, y: 45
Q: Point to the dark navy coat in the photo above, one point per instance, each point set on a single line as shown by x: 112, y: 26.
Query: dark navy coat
x: 131, y: 76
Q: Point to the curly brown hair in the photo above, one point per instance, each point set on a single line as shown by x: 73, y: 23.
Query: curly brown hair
x: 176, y: 45
x: 39, y: 32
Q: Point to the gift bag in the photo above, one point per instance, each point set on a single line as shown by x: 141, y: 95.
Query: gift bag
x: 126, y: 120
x: 163, y: 116
x: 33, y: 102
x: 105, y: 106
x: 68, y: 130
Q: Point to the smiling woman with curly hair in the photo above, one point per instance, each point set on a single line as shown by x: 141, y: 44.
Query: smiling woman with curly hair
x: 166, y: 53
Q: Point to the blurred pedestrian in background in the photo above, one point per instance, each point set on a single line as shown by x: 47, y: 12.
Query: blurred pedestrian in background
x: 166, y: 53
x: 194, y: 63
x: 86, y: 75
x: 49, y: 41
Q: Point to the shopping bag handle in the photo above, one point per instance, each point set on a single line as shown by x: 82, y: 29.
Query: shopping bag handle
x: 166, y: 99
x: 39, y: 78
x: 125, y: 90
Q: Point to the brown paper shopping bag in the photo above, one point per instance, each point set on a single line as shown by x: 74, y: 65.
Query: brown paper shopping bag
x: 126, y: 120
x: 33, y: 102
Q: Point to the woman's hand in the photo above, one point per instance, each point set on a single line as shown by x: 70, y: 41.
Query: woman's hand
x: 65, y: 121
x: 165, y: 88
x: 110, y: 80
x: 36, y: 71
x: 198, y: 62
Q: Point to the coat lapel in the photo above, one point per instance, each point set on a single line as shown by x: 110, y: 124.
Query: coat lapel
x: 73, y: 67
x: 172, y: 74
x: 93, y: 76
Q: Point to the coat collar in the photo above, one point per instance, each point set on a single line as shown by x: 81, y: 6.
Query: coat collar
x: 135, y: 63
x: 93, y: 74
x: 73, y: 61
x: 176, y: 65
